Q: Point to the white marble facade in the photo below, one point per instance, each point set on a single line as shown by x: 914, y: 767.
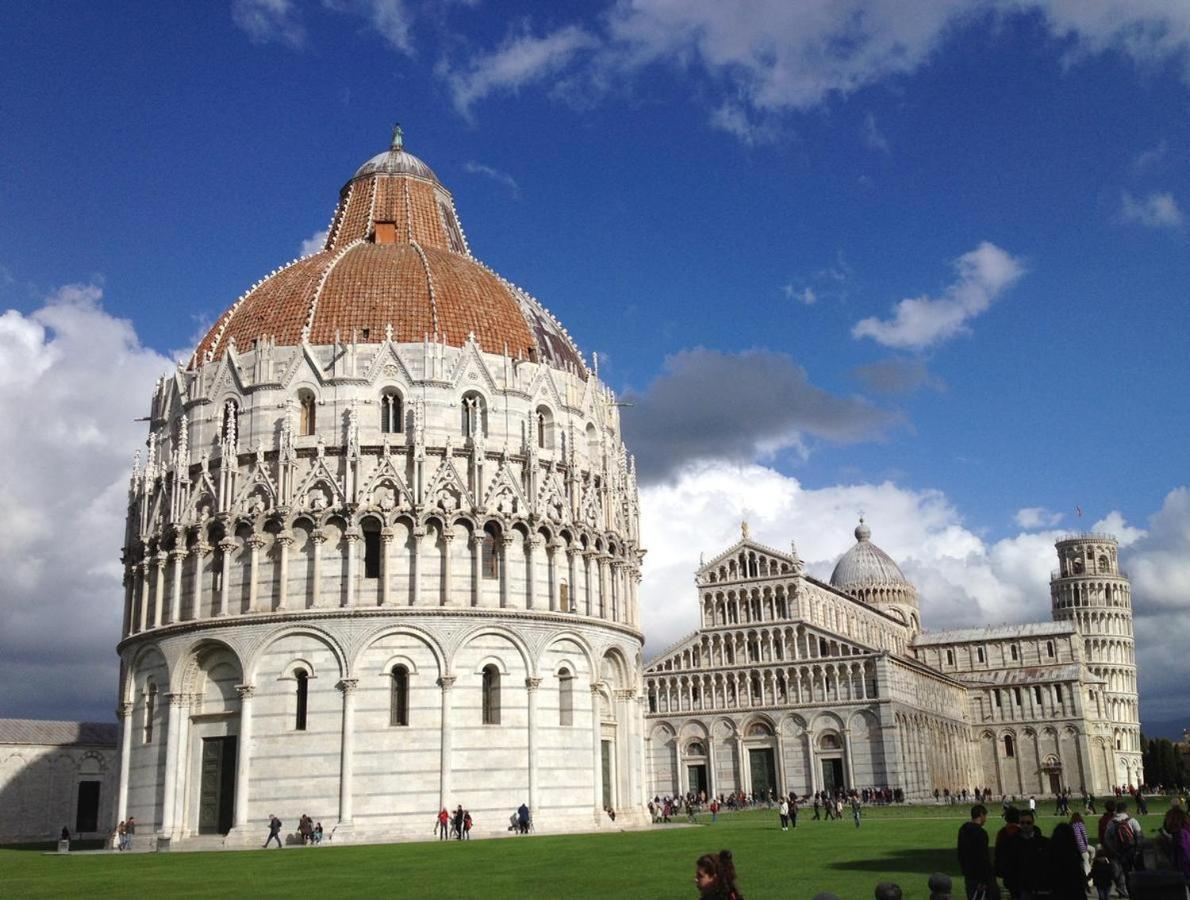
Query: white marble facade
x: 457, y: 542
x: 795, y: 684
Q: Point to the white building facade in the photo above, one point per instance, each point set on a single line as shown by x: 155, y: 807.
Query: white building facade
x: 797, y: 685
x: 382, y: 556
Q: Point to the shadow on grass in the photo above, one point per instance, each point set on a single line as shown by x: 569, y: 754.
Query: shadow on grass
x: 926, y: 861
x: 45, y: 846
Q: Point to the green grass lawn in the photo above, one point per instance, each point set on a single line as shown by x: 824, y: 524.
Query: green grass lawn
x: 901, y: 844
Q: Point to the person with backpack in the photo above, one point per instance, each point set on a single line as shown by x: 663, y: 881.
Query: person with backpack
x: 1121, y: 837
x: 274, y: 832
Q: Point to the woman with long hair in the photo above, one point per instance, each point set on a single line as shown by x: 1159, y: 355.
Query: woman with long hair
x: 1066, y: 877
x: 714, y: 876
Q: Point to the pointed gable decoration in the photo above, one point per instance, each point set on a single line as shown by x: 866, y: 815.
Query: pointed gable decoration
x: 505, y: 495
x: 446, y: 489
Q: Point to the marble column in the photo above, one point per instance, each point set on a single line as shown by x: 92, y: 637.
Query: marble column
x: 318, y: 536
x: 347, y: 744
x: 712, y: 775
x: 159, y: 562
x: 477, y: 568
x: 386, y: 566
x: 285, y: 540
x: 445, y: 682
x: 531, y: 547
x: 201, y: 549
x: 228, y: 546
x: 847, y: 758
x: 448, y: 537
x: 415, y: 568
x: 597, y: 748
x: 124, y: 712
x: 572, y: 600
x: 745, y: 766
x: 352, y: 537
x: 175, y: 596
x: 255, y: 542
x: 531, y: 686
x: 505, y: 546
x: 143, y: 589
x: 812, y: 762
x: 243, y: 755
x: 172, y: 751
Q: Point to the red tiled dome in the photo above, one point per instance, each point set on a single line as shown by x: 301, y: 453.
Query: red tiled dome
x: 395, y: 255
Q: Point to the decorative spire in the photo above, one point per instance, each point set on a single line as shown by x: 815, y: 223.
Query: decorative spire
x: 398, y: 137
x: 862, y: 531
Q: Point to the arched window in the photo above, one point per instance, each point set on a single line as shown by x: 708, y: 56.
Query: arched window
x: 490, y: 562
x: 391, y: 412
x: 1009, y: 747
x: 566, y: 697
x: 1104, y: 566
x: 308, y: 414
x: 231, y: 413
x: 592, y: 443
x: 475, y: 415
x: 371, y: 531
x: 150, y: 710
x: 543, y: 421
x: 303, y: 694
x: 398, y: 707
x: 491, y: 695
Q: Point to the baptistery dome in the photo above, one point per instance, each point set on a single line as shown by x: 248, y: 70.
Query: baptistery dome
x: 382, y: 552
x: 395, y: 264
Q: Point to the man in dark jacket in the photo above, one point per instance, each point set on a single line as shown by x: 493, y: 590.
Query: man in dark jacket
x: 1027, y: 871
x: 974, y: 860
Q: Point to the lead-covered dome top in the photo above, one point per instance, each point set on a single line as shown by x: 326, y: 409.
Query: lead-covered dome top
x: 866, y: 565
x: 395, y: 261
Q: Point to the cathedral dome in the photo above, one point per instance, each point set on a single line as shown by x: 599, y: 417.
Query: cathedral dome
x: 395, y: 264
x: 865, y: 564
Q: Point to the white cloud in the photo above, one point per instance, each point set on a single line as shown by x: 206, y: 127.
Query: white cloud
x: 873, y: 136
x: 1157, y: 210
x: 494, y: 174
x: 65, y: 481
x: 920, y: 322
x: 743, y: 124
x: 521, y: 60
x: 963, y: 579
x: 1033, y: 517
x: 803, y: 295
x: 269, y: 21
x: 1114, y: 523
x: 391, y: 20
x: 313, y: 243
x: 1148, y: 159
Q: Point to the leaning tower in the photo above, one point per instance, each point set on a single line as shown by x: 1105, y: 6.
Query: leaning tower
x: 1090, y: 590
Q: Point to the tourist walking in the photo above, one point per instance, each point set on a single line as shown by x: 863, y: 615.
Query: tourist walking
x: 1121, y: 837
x: 1067, y: 878
x: 522, y: 818
x: 122, y: 836
x: 1103, y: 874
x: 715, y: 878
x: 456, y: 825
x: 783, y: 814
x: 467, y: 823
x: 443, y: 824
x: 274, y: 832
x: 318, y: 834
x: 130, y: 831
x: 1084, y: 842
x: 1027, y: 872
x: 1174, y: 840
x: 792, y: 810
x: 855, y: 810
x: 1012, y: 819
x: 974, y: 861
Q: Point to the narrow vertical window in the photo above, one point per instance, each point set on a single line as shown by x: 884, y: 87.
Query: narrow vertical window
x: 303, y: 694
x: 1049, y: 649
x: 399, y: 701
x: 950, y: 657
x: 308, y: 413
x: 391, y: 413
x: 979, y: 654
x: 491, y: 695
x: 490, y: 563
x: 566, y: 697
x: 1009, y: 747
x: 371, y: 553
x: 150, y: 710
x: 564, y: 595
x: 1015, y: 653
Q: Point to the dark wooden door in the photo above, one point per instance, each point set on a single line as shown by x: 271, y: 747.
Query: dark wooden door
x: 764, y: 773
x: 217, y: 786
x: 87, y: 818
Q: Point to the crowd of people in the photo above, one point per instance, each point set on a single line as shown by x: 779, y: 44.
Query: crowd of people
x: 1078, y: 856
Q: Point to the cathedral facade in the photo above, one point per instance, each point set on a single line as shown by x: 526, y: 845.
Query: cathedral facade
x: 382, y: 556
x: 792, y: 684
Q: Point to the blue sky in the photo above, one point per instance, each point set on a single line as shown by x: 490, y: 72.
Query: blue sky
x: 753, y: 180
